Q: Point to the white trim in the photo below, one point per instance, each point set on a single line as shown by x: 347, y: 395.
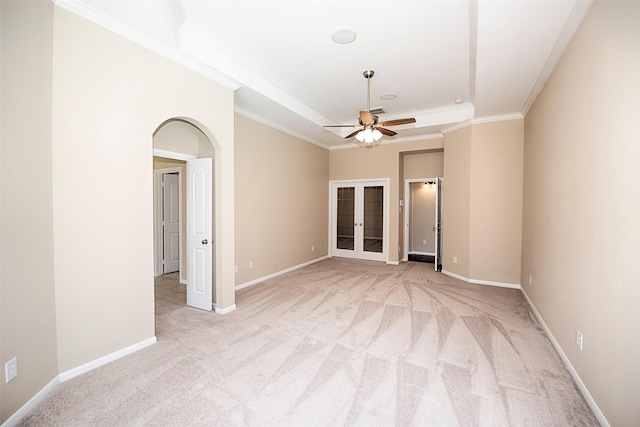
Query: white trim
x: 405, y: 217
x: 357, y: 253
x: 479, y: 120
x: 72, y: 373
x: 158, y: 152
x: 574, y: 374
x: 279, y: 273
x: 422, y: 253
x: 498, y: 118
x: 274, y: 125
x: 158, y: 270
x: 17, y: 416
x: 393, y: 262
x: 482, y: 282
x: 225, y: 310
x: 179, y: 57
x: 396, y: 140
x: 183, y: 281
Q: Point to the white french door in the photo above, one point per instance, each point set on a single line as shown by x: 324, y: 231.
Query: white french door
x: 360, y: 219
x: 199, y: 233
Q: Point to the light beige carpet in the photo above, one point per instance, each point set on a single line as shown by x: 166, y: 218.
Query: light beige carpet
x: 337, y: 343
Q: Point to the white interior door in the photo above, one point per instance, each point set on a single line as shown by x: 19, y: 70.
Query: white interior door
x: 171, y: 222
x: 199, y: 233
x: 359, y: 219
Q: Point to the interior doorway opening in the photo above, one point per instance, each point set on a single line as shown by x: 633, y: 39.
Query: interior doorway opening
x: 423, y: 221
x: 183, y: 208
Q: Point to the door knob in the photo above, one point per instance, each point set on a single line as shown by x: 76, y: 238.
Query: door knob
x: 205, y: 241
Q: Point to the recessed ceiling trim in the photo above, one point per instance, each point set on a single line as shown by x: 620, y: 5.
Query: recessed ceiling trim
x: 85, y: 11
x: 390, y: 141
x: 271, y: 124
x: 196, y: 43
x: 479, y: 120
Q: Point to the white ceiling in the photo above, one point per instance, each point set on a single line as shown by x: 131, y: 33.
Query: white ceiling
x: 287, y: 72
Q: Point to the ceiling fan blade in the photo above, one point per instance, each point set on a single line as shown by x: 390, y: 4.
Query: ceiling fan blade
x: 351, y: 135
x: 340, y: 126
x: 366, y: 118
x: 386, y: 131
x: 398, y: 122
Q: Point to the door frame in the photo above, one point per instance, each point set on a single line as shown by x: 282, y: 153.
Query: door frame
x: 157, y: 214
x: 157, y: 257
x: 333, y: 185
x: 407, y: 212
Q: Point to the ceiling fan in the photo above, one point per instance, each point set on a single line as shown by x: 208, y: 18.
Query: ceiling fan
x: 371, y: 132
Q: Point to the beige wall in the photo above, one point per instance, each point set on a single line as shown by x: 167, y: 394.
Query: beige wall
x: 456, y: 201
x: 581, y: 224
x: 424, y: 165
x: 415, y: 165
x: 102, y: 146
x: 482, y: 214
x: 27, y: 310
x: 91, y: 102
x: 281, y: 197
x: 384, y: 161
x: 495, y: 201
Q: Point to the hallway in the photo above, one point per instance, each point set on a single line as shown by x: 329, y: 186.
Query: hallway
x: 170, y: 294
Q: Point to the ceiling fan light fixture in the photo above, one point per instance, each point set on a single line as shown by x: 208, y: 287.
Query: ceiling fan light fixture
x: 343, y: 35
x: 369, y: 137
x: 388, y: 96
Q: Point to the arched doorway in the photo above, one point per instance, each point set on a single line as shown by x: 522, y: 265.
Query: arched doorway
x: 183, y: 182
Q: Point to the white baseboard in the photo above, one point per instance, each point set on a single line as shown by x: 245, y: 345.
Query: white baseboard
x: 393, y: 262
x: 422, y: 253
x: 583, y: 388
x: 279, y: 273
x: 482, y: 282
x: 72, y: 373
x: 225, y: 310
x: 14, y: 419
x: 183, y: 281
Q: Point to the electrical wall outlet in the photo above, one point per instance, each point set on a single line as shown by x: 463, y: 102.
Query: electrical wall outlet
x: 313, y: 248
x: 455, y: 259
x: 10, y: 369
x: 530, y: 279
x: 250, y: 264
x: 424, y: 243
x: 579, y: 339
x: 236, y: 269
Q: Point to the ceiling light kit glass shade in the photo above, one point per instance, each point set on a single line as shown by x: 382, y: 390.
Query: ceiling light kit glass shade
x: 368, y: 138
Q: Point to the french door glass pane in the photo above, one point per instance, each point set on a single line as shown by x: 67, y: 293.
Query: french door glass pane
x: 373, y: 219
x: 346, y: 218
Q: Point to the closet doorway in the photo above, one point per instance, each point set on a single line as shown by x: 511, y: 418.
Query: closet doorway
x: 423, y: 220
x: 360, y: 219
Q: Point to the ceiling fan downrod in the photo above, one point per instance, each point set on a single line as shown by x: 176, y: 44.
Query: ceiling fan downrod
x: 367, y: 75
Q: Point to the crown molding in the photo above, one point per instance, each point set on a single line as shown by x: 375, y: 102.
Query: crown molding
x: 479, y: 120
x: 260, y: 119
x: 83, y: 10
x: 436, y: 135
